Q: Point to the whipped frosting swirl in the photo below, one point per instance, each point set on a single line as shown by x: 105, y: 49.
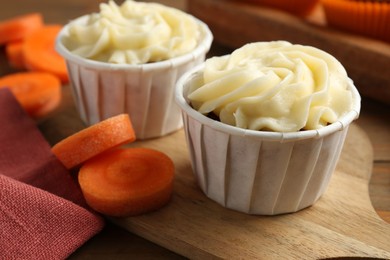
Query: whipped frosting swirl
x: 273, y: 86
x: 133, y: 33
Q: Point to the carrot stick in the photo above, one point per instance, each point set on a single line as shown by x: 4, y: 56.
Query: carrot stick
x: 34, y: 91
x: 89, y: 142
x: 127, y: 182
x: 19, y: 27
x: 40, y: 55
x: 14, y: 53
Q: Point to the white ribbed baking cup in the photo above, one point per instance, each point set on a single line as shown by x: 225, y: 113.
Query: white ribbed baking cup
x: 102, y: 90
x: 258, y: 172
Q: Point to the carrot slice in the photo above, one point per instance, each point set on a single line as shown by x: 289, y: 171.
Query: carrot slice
x: 14, y: 53
x: 48, y: 107
x: 89, y: 142
x: 19, y: 27
x: 40, y: 54
x: 127, y: 182
x: 34, y: 90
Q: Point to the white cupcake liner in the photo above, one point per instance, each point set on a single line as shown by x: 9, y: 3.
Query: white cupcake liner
x: 257, y: 172
x: 102, y: 90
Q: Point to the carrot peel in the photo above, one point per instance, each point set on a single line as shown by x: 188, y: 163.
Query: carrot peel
x: 89, y: 142
x: 127, y: 182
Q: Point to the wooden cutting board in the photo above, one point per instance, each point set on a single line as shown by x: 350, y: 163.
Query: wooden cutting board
x: 342, y: 223
x: 234, y: 23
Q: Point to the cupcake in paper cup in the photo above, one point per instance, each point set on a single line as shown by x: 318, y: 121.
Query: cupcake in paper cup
x: 265, y: 125
x: 127, y: 59
x: 367, y: 18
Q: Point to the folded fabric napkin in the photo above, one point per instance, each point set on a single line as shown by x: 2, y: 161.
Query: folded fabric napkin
x: 43, y: 214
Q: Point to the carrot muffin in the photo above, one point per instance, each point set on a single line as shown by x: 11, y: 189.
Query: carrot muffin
x: 127, y: 58
x: 282, y: 112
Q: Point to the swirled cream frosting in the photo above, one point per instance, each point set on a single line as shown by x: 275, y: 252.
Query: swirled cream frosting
x: 273, y: 86
x: 133, y: 33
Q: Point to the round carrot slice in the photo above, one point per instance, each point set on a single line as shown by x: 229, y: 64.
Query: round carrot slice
x: 89, y: 142
x: 40, y: 55
x: 17, y: 28
x: 127, y: 182
x: 34, y: 91
x: 48, y: 107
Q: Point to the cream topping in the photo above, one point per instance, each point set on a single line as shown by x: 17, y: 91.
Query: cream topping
x: 133, y: 33
x: 273, y: 86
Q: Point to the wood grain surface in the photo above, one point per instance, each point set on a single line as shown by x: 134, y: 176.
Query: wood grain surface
x: 342, y: 223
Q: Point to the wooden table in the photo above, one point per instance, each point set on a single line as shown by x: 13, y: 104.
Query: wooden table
x: 116, y: 243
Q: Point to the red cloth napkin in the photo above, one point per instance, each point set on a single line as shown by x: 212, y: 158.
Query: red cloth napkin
x: 43, y: 214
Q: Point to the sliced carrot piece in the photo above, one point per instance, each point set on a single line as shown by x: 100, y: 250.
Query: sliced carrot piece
x: 127, y: 182
x: 14, y: 53
x: 40, y: 54
x: 19, y: 27
x: 89, y: 142
x: 48, y: 107
x: 34, y: 90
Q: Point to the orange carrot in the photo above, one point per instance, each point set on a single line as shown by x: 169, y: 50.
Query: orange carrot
x: 14, y: 53
x: 34, y: 91
x: 19, y: 27
x: 40, y: 54
x: 48, y: 107
x: 127, y: 182
x: 89, y: 142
